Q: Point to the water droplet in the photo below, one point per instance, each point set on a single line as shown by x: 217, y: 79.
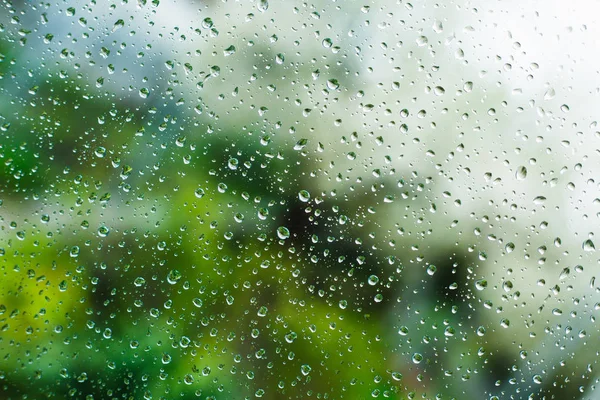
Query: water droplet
x: 304, y: 196
x: 283, y: 233
x: 107, y: 333
x: 373, y: 280
x: 521, y: 173
x: 262, y: 311
x: 229, y: 51
x: 263, y: 5
x: 174, y: 276
x: 510, y: 247
x: 300, y: 144
x: 481, y: 284
x: 74, y: 252
x: 100, y: 152
x: 422, y: 40
x: 144, y: 92
x: 233, y: 163
x: 539, y: 200
x: 588, y: 245
x: 305, y: 369
x: 118, y: 25
x: 333, y: 84
x: 327, y: 43
x: 103, y: 231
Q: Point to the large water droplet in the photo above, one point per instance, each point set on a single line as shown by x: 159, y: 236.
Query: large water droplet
x: 521, y: 173
x: 283, y: 232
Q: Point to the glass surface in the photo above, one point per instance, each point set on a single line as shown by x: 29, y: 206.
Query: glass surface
x: 299, y: 200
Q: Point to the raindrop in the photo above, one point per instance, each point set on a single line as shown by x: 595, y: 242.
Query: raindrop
x: 229, y: 51
x: 283, y: 233
x: 550, y: 93
x: 263, y: 5
x: 333, y: 84
x: 481, y: 284
x: 103, y: 231
x: 305, y: 369
x: 233, y: 163
x: 539, y: 200
x: 174, y: 276
x: 521, y: 173
x: 199, y: 193
x: 300, y: 144
x: 304, y: 196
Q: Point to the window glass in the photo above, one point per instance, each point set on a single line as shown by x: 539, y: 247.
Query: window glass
x: 296, y: 200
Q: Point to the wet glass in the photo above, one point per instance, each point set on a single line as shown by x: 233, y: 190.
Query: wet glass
x: 328, y: 200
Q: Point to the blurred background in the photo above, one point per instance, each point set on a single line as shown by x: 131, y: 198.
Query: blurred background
x: 293, y: 200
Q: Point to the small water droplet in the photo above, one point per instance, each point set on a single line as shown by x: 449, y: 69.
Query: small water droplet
x: 118, y: 25
x: 300, y: 144
x: 304, y: 196
x: 174, y: 276
x: 233, y: 163
x: 263, y: 5
x: 373, y: 280
x: 550, y: 93
x: 417, y: 358
x: 283, y: 232
x: 521, y: 173
x: 588, y: 245
x: 305, y: 369
x: 333, y: 84
x: 262, y: 311
x: 481, y: 284
x: 539, y: 200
